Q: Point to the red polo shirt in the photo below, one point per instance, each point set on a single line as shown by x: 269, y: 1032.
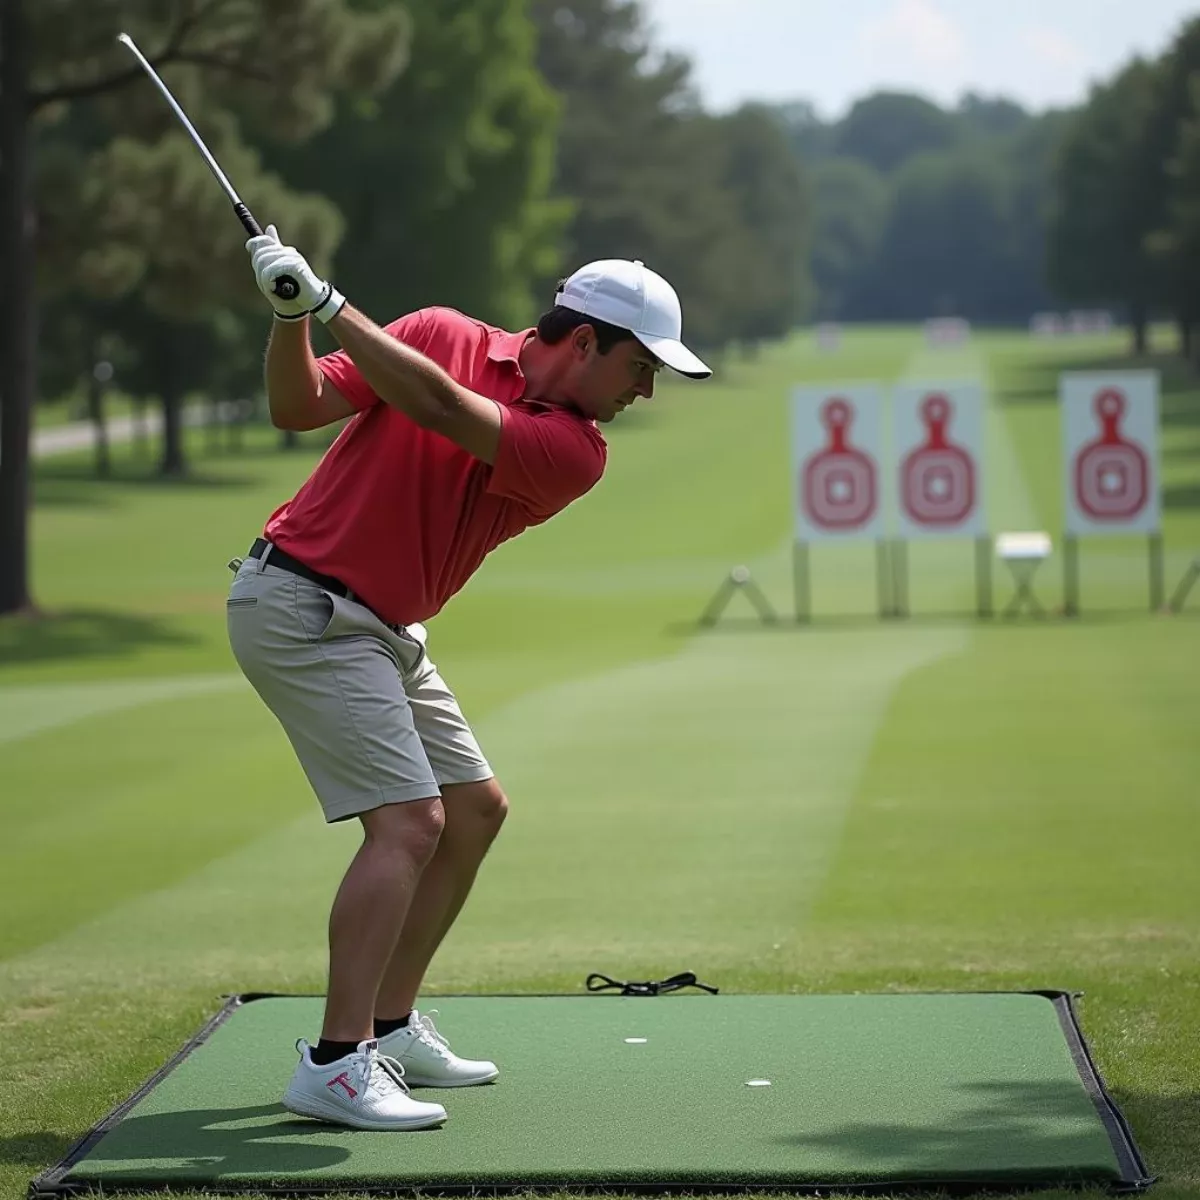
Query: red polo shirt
x: 403, y: 516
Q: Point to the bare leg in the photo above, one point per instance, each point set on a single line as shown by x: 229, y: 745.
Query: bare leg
x: 474, y: 814
x: 370, y: 909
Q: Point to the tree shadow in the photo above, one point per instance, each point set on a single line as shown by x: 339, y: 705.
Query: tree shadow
x: 1034, y: 1139
x: 1038, y: 383
x: 251, y: 1145
x: 84, y: 633
x: 75, y: 483
x: 1011, y: 1134
x: 34, y: 1150
x: 1182, y: 495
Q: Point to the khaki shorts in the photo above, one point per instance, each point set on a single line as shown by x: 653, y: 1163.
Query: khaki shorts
x: 366, y: 711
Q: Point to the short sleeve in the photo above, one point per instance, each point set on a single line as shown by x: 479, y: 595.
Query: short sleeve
x: 411, y: 329
x: 545, y: 460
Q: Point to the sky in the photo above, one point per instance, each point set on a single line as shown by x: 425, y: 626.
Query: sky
x: 1041, y: 53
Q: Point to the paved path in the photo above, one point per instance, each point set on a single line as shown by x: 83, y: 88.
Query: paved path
x: 79, y: 435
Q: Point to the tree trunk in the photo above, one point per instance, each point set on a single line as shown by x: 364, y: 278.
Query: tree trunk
x: 1185, y: 337
x: 140, y: 436
x: 1139, y: 322
x: 96, y: 387
x: 173, y: 463
x: 18, y: 330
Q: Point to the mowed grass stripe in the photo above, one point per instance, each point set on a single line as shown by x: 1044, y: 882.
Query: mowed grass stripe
x: 38, y: 708
x: 684, y: 807
x: 1037, y: 782
x: 700, y: 482
x: 121, y: 804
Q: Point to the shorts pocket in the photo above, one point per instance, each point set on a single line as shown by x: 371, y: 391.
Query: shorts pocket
x: 241, y: 602
x: 324, y: 615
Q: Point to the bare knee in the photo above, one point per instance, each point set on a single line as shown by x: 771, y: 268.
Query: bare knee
x: 413, y: 827
x: 475, y: 809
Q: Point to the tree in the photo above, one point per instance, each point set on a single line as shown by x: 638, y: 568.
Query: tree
x: 1176, y: 246
x: 280, y: 59
x: 773, y: 211
x: 1164, y: 180
x: 810, y: 138
x: 445, y: 178
x: 654, y: 178
x: 982, y: 118
x: 175, y: 259
x: 943, y: 245
x: 1028, y: 158
x: 889, y: 128
x: 851, y: 202
x: 1096, y: 246
x: 621, y: 129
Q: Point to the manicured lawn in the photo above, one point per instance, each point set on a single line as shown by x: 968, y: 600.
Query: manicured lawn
x: 940, y: 803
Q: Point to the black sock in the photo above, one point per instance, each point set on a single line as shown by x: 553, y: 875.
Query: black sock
x: 383, y: 1028
x: 326, y: 1052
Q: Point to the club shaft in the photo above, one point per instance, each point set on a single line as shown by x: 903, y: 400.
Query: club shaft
x: 284, y: 286
x: 234, y: 198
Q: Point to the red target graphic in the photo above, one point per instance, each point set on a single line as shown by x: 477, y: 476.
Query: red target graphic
x: 1111, y: 473
x: 839, y: 489
x: 937, y: 480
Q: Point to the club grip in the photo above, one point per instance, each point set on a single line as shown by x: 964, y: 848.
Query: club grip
x: 253, y: 228
x: 285, y: 287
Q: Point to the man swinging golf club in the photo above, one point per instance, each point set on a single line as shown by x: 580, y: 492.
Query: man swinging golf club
x: 462, y: 435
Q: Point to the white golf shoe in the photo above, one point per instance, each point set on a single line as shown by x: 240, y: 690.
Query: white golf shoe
x: 364, y: 1090
x: 427, y: 1058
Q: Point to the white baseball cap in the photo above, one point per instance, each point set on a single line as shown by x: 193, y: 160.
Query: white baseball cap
x: 631, y: 296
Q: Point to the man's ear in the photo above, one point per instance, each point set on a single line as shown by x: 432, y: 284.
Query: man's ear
x: 581, y: 340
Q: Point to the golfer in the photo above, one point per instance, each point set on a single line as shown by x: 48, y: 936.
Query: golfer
x: 461, y: 436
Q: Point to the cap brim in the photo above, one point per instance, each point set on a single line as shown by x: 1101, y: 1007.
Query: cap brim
x: 676, y: 355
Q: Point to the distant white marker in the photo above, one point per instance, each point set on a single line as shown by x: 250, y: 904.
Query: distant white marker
x: 758, y: 1083
x: 636, y: 1041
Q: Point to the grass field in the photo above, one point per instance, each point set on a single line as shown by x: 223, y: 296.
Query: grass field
x: 940, y: 803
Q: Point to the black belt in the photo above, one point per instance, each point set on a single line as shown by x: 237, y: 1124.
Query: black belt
x: 280, y: 558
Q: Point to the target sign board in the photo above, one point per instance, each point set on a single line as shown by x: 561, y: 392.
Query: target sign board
x: 939, y: 460
x: 837, y: 490
x: 1110, y: 452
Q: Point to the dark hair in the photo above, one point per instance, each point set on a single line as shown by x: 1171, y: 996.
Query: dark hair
x: 560, y: 322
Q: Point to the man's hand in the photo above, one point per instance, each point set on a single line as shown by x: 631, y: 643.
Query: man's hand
x: 270, y: 259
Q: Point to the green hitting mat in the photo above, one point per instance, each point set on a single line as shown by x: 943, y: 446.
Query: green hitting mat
x: 687, y: 1092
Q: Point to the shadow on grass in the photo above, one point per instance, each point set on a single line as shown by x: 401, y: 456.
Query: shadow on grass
x: 75, y: 483
x: 84, y: 633
x: 1033, y: 1139
x: 1182, y: 495
x: 195, y: 1147
x: 1023, y: 1134
x: 37, y: 1151
x: 1038, y: 384
x: 858, y: 622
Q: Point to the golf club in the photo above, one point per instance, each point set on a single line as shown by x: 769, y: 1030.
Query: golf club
x: 285, y: 286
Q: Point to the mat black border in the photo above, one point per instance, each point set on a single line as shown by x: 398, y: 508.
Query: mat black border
x: 52, y: 1185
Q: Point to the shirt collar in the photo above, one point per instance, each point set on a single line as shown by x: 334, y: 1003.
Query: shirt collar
x: 506, y: 347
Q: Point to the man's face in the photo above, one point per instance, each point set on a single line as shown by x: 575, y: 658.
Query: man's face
x: 603, y: 385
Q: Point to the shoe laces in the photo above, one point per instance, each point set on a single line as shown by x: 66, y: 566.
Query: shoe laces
x: 374, y: 1070
x: 427, y: 1031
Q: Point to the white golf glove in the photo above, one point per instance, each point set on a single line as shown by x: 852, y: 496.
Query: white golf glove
x: 271, y: 259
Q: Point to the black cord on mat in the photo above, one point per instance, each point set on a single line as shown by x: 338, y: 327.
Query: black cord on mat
x: 682, y: 980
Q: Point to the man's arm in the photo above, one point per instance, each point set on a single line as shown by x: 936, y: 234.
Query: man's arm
x: 397, y: 374
x: 418, y: 387
x: 299, y: 396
